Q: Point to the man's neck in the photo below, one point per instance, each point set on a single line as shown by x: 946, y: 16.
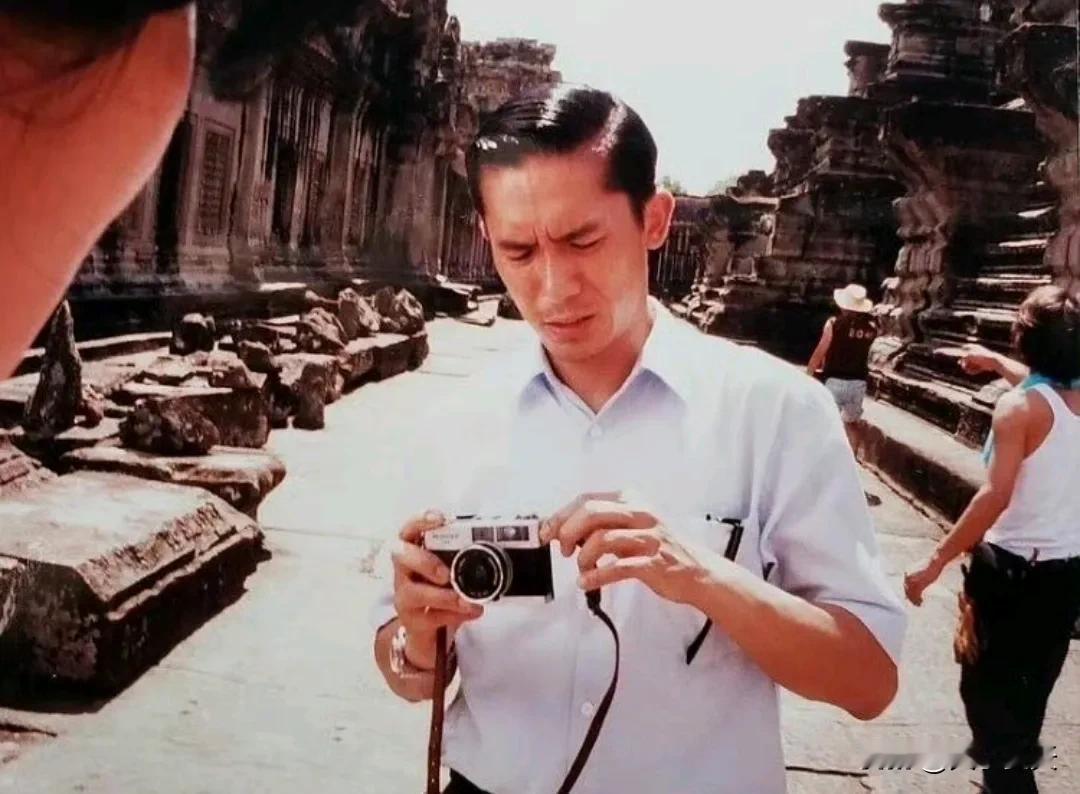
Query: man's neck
x: 595, y: 380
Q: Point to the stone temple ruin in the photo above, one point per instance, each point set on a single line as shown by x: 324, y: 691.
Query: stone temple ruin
x: 946, y: 181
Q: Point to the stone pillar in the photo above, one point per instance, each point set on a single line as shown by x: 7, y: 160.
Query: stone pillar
x: 249, y: 208
x: 1040, y: 64
x: 339, y: 185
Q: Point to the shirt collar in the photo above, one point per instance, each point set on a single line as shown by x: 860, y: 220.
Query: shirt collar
x: 664, y: 355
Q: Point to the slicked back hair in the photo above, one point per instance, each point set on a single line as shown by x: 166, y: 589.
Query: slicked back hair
x: 561, y: 119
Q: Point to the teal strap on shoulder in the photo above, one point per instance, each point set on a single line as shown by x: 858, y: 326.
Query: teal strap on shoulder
x: 1028, y: 383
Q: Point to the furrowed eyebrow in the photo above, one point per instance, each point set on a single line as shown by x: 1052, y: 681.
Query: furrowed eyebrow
x: 515, y: 245
x: 585, y: 230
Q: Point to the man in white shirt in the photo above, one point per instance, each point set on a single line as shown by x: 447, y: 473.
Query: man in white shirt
x: 631, y: 433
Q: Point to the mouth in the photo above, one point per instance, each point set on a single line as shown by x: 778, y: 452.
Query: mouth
x: 568, y: 322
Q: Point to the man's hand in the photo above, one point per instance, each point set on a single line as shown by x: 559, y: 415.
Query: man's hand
x: 621, y: 539
x: 423, y: 601
x: 978, y: 359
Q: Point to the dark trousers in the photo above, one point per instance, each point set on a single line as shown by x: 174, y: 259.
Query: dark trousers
x: 1024, y: 614
x: 459, y: 785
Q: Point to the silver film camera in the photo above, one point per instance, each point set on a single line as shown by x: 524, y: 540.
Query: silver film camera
x: 493, y: 558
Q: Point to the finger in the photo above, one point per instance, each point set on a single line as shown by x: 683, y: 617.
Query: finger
x: 419, y: 596
x: 550, y: 527
x: 411, y: 561
x: 596, y: 514
x: 416, y: 526
x: 620, y: 542
x: 617, y: 571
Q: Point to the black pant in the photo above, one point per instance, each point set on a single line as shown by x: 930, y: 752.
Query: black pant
x: 1024, y: 614
x: 459, y: 785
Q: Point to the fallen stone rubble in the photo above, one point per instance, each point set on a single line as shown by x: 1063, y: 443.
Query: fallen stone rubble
x: 128, y: 496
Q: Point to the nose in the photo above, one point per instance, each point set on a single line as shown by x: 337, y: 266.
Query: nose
x: 559, y: 281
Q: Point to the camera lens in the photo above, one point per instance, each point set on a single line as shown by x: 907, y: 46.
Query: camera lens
x: 480, y: 573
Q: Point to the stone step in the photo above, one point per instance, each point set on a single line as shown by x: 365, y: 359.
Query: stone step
x: 999, y: 291
x: 955, y: 410
x: 1039, y: 219
x: 934, y: 470
x: 939, y: 360
x: 1022, y: 255
x: 962, y: 325
x: 116, y: 571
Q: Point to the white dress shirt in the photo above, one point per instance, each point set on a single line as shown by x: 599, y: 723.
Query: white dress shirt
x: 701, y: 426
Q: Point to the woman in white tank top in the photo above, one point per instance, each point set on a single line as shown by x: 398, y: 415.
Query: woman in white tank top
x: 1022, y: 530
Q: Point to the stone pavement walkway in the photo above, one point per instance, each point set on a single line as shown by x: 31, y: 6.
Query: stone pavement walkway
x: 279, y: 694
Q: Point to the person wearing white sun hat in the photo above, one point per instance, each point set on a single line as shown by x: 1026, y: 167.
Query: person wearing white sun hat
x: 840, y: 358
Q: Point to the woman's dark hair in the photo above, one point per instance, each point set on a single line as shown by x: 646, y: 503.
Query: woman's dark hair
x: 90, y: 15
x: 560, y: 119
x: 264, y: 30
x: 1047, y: 333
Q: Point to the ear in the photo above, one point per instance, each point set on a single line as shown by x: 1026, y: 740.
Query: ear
x: 657, y: 218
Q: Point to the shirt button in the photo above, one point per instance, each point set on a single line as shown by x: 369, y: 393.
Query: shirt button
x: 587, y: 709
x: 595, y: 431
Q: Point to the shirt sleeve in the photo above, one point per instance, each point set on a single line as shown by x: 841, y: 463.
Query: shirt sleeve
x: 816, y: 526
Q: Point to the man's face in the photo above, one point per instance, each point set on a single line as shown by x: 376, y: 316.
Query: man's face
x: 572, y: 253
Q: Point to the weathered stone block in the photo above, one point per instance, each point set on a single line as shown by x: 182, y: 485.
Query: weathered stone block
x: 242, y: 477
x: 356, y: 361
x: 50, y: 449
x: 358, y: 317
x: 401, y: 312
x: 180, y: 424
x: 291, y: 367
x: 420, y: 350
x: 257, y: 356
x: 279, y: 400
x: 18, y: 470
x: 193, y: 332
x: 167, y: 371
x: 391, y: 354
x: 12, y: 576
x: 109, y: 588
x: 231, y: 375
x: 311, y: 392
x: 273, y: 336
x: 319, y: 331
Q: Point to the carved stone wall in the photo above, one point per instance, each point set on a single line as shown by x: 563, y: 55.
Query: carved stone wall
x: 344, y: 163
x: 981, y: 150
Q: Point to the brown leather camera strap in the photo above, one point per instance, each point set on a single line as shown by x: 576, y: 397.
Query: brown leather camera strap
x: 438, y: 696
x: 438, y: 707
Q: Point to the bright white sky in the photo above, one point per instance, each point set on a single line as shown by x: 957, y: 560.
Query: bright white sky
x: 710, y: 77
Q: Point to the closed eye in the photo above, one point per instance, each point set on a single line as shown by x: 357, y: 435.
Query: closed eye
x: 584, y: 246
x: 517, y: 253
